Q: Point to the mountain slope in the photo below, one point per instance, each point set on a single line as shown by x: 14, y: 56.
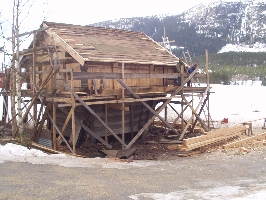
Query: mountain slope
x: 205, y: 26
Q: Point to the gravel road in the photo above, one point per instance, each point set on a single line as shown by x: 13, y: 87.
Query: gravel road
x: 216, y: 175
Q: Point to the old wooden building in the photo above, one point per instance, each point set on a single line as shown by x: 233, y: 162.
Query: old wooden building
x: 92, y: 82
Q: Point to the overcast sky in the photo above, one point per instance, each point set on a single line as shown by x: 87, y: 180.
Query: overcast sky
x: 85, y: 12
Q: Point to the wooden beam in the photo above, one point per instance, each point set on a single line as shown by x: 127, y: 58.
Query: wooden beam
x: 59, y: 132
x: 73, y: 117
x: 147, y: 106
x: 105, y: 75
x: 65, y: 124
x: 30, y: 32
x: 118, y: 107
x: 197, y: 115
x: 115, y: 101
x: 60, y: 42
x: 195, y: 111
x: 94, y: 114
x: 89, y: 131
x: 159, y: 110
x: 123, y: 104
x: 261, y: 136
x: 178, y: 116
x: 50, y: 75
x: 106, y: 121
x: 54, y: 129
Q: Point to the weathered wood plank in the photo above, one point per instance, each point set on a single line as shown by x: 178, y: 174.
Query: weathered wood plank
x: 261, y: 136
x: 95, y: 115
x: 107, y: 75
x: 214, y: 134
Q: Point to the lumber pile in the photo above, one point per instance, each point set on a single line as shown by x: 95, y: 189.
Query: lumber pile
x: 212, y: 137
x: 261, y: 136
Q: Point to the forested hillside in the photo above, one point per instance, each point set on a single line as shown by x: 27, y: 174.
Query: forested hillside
x: 231, y: 67
x: 205, y: 26
x: 211, y: 26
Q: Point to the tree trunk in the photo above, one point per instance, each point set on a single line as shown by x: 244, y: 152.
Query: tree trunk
x: 13, y: 77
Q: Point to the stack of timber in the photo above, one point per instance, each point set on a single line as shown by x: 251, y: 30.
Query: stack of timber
x: 259, y: 137
x: 210, y: 138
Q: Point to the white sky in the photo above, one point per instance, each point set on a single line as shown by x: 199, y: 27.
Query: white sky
x: 84, y: 12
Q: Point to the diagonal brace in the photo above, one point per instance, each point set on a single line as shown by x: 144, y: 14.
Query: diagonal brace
x: 159, y: 110
x: 94, y: 114
x: 60, y: 134
x: 182, y: 135
x: 201, y: 109
x: 147, y: 106
x: 196, y: 114
x: 90, y: 131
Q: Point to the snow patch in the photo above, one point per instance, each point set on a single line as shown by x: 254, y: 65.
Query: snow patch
x: 257, y: 47
x: 218, y: 193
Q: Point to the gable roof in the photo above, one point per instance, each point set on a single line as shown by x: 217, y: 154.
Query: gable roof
x: 89, y: 43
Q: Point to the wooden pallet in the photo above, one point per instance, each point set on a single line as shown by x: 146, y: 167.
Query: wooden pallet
x: 212, y: 137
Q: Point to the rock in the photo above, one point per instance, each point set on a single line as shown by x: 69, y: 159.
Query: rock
x: 243, y: 150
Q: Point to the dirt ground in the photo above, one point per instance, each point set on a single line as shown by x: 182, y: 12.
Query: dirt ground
x: 151, y: 147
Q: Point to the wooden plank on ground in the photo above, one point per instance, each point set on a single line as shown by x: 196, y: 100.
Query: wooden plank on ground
x: 213, y: 134
x: 209, y: 142
x: 261, y: 136
x: 216, y: 136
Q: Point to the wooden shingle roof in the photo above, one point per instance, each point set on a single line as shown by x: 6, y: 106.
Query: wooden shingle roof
x: 88, y: 43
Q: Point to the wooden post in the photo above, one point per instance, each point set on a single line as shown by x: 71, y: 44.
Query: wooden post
x: 131, y: 119
x: 208, y: 85
x: 73, y: 117
x: 123, y: 104
x: 208, y: 99
x: 207, y: 68
x: 94, y: 114
x: 182, y: 102
x: 158, y: 110
x: 147, y: 105
x: 106, y: 121
x: 54, y: 129
x: 73, y: 128
x: 165, y: 118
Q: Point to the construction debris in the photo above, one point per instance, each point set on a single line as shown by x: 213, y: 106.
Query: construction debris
x: 244, y: 150
x: 121, y: 154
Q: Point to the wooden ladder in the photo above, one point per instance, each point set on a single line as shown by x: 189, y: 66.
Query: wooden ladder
x: 187, y: 57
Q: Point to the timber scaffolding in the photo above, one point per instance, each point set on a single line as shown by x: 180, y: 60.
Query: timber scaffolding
x: 90, y: 82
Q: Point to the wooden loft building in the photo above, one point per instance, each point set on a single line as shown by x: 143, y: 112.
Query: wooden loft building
x: 95, y: 82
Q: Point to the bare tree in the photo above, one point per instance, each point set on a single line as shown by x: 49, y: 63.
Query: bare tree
x: 16, y: 76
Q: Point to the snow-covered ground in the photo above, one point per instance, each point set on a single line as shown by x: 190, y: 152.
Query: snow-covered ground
x: 237, y: 103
